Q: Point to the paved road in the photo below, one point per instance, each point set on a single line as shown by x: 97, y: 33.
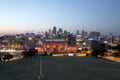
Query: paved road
x: 61, y: 68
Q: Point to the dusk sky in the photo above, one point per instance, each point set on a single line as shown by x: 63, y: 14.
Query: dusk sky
x: 71, y: 15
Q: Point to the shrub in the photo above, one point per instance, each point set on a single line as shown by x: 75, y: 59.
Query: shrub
x: 7, y: 56
x: 24, y: 54
x: 32, y: 52
x: 45, y: 54
x: 100, y: 50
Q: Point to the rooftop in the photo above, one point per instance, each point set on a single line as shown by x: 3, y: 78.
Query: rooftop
x: 55, y: 40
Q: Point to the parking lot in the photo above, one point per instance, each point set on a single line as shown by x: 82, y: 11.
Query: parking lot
x: 60, y: 68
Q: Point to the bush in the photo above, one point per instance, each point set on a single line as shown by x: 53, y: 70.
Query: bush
x: 51, y: 54
x: 45, y: 54
x: 25, y: 54
x: 30, y: 53
x: 100, y: 50
x: 0, y: 59
x: 7, y: 56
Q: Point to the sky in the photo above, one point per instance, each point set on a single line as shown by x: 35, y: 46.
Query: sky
x: 19, y: 16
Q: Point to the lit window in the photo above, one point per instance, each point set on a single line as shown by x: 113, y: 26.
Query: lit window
x: 54, y: 46
x: 61, y: 46
x: 48, y: 46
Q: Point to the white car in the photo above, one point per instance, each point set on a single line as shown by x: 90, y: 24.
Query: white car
x: 71, y: 54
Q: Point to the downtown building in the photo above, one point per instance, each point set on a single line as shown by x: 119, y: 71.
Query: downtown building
x: 52, y: 45
x: 55, y: 46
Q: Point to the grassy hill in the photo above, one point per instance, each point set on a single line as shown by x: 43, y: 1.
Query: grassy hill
x: 60, y: 68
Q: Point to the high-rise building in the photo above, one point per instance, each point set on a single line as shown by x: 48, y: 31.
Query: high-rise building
x: 60, y: 33
x: 60, y: 30
x: 54, y: 31
x: 95, y: 34
x: 83, y: 32
x: 77, y: 32
x: 71, y: 39
x: 92, y: 44
x: 110, y: 38
x: 50, y: 32
x: 65, y: 34
x: 46, y: 34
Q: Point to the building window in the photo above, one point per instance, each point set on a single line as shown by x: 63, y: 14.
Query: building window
x: 54, y: 46
x: 48, y: 47
x: 61, y: 47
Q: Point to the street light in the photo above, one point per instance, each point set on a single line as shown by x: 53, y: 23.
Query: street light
x: 106, y: 46
x: 84, y: 45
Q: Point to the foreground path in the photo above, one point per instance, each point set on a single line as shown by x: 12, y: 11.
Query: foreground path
x: 61, y: 68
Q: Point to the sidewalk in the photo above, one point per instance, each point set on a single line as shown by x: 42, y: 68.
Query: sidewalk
x: 112, y: 58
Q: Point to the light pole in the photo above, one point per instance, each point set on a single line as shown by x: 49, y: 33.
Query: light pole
x: 106, y: 46
x: 84, y: 45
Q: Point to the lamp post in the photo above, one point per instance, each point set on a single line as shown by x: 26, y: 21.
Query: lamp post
x: 106, y: 46
x: 84, y: 45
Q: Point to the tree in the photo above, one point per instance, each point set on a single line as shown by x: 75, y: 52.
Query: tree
x: 24, y: 54
x: 100, y: 50
x: 32, y: 52
x: 0, y: 59
x: 7, y: 56
x: 116, y: 48
x: 45, y: 54
x: 51, y: 54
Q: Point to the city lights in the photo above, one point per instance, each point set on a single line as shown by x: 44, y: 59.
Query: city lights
x: 58, y: 43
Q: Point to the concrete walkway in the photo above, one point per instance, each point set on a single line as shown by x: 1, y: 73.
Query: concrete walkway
x: 61, y: 68
x: 112, y: 58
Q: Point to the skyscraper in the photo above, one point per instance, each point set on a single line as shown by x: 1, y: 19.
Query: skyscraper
x: 77, y: 32
x: 54, y: 31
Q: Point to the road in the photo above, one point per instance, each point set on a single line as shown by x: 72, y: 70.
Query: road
x: 61, y: 68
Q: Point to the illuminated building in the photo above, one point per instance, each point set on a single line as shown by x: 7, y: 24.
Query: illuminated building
x: 72, y: 43
x: 72, y: 48
x: 92, y: 43
x: 55, y: 45
x: 95, y: 34
x: 79, y: 41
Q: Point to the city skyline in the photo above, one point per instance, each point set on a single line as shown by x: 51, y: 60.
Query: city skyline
x: 19, y: 16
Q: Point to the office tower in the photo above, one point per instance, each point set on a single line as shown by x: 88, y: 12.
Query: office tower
x: 54, y: 30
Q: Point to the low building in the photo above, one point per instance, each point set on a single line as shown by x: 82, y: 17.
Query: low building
x: 54, y: 45
x: 71, y: 48
x: 92, y: 43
